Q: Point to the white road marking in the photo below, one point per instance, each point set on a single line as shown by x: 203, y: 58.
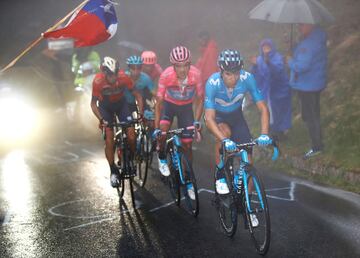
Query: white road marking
x: 52, y: 211
x: 88, y: 224
x: 68, y: 143
x: 108, y: 217
x: 90, y: 153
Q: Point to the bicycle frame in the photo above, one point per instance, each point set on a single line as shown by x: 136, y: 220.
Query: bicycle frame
x: 175, y: 142
x: 244, y: 163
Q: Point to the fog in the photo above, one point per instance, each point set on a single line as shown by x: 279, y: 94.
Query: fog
x: 156, y: 25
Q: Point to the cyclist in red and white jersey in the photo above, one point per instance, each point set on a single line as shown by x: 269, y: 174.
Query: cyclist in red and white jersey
x: 108, y: 101
x: 179, y: 88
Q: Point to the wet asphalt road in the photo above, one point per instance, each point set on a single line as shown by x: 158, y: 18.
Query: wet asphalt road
x: 56, y: 201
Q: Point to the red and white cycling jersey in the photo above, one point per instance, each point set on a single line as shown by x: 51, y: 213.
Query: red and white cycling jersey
x: 180, y: 92
x: 111, y: 93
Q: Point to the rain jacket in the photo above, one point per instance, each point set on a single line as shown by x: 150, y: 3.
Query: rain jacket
x: 207, y: 63
x: 272, y: 80
x: 309, y: 62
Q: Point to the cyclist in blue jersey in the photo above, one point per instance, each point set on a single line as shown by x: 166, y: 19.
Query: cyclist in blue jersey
x: 224, y: 94
x: 143, y: 84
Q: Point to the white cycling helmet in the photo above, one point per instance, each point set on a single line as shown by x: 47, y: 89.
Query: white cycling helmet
x: 109, y: 65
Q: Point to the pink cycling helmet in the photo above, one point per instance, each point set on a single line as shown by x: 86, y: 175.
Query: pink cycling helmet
x: 180, y: 55
x: 149, y: 57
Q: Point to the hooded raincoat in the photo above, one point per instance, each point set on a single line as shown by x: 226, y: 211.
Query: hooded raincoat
x: 271, y: 77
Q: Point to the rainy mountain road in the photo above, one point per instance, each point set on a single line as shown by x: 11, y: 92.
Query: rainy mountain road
x: 56, y: 201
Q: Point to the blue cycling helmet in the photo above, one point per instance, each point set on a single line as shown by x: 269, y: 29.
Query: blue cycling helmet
x: 134, y: 60
x: 230, y: 60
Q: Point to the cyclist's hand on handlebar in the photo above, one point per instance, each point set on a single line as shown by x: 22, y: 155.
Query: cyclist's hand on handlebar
x: 263, y: 140
x: 229, y: 145
x: 103, y: 123
x: 156, y: 133
x: 197, y: 125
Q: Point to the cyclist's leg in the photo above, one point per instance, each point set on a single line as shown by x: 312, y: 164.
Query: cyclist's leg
x: 124, y: 113
x: 108, y: 116
x: 242, y: 135
x: 185, y: 118
x: 167, y: 116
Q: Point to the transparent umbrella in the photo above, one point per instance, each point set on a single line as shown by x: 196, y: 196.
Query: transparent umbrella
x: 291, y: 11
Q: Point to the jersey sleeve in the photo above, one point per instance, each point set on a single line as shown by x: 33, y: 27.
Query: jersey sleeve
x: 253, y: 89
x: 210, y: 91
x: 96, y: 88
x: 161, y: 87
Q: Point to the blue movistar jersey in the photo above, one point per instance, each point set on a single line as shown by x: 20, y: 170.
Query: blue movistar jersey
x: 144, y: 85
x: 223, y: 99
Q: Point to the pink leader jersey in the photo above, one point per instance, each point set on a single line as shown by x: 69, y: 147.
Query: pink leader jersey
x: 180, y: 93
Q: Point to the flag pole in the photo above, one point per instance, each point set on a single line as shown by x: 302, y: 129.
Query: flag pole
x: 35, y: 42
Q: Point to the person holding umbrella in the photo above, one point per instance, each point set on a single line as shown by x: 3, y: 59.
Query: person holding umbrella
x: 308, y: 66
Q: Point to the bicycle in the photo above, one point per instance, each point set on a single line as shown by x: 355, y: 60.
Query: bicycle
x: 240, y: 201
x: 181, y: 172
x: 144, y: 151
x: 125, y: 161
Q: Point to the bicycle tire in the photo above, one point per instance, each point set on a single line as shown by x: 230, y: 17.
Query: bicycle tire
x: 143, y: 164
x: 192, y: 205
x: 227, y: 204
x: 173, y: 178
x: 258, y: 204
x: 121, y: 188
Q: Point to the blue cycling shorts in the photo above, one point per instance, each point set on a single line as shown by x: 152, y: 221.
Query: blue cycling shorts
x: 184, y: 115
x: 120, y: 109
x: 240, y: 132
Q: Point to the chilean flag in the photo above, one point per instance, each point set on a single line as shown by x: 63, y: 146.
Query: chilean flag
x: 94, y: 23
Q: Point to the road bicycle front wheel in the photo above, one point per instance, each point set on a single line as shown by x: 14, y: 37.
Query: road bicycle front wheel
x: 226, y: 204
x: 121, y: 188
x: 189, y: 189
x: 257, y: 211
x: 173, y: 178
x: 143, y: 160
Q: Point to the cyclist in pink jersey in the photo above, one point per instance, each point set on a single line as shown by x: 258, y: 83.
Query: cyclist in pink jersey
x: 150, y: 65
x: 179, y: 88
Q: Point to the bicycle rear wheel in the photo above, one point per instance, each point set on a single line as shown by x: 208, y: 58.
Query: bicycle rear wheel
x: 173, y: 178
x: 257, y: 205
x: 189, y: 189
x: 143, y: 162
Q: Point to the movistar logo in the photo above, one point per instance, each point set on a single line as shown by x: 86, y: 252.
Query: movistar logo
x: 214, y: 82
x: 244, y: 76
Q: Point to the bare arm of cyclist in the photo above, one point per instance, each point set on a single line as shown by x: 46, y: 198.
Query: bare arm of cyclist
x: 264, y: 112
x: 199, y: 107
x: 158, y: 107
x: 212, y: 125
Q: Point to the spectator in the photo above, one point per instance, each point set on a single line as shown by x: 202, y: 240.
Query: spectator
x: 308, y: 78
x: 207, y: 62
x: 271, y: 77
